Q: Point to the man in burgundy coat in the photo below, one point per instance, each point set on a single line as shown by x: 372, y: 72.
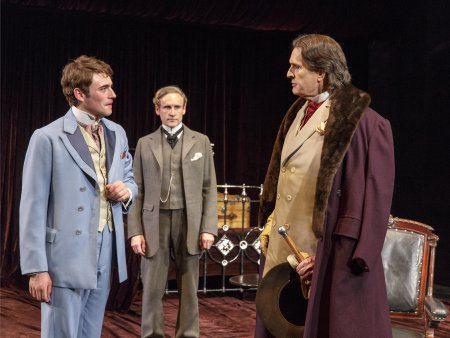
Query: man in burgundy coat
x: 352, y: 194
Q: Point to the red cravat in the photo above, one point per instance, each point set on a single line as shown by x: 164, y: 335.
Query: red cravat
x: 310, y: 110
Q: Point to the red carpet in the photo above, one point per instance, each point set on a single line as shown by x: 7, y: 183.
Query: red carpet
x: 220, y: 317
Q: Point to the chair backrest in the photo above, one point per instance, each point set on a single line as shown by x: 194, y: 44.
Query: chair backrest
x: 406, y: 257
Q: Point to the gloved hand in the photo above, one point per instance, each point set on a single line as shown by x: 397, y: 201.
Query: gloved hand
x: 264, y: 236
x: 304, y: 283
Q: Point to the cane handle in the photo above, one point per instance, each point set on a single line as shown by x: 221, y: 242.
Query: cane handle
x: 282, y: 231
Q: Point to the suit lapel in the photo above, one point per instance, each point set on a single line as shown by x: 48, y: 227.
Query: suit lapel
x: 308, y: 130
x: 294, y: 138
x: 110, y: 142
x: 76, y: 145
x: 155, y: 146
x: 189, y: 140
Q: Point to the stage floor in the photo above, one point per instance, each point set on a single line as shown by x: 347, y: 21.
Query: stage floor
x: 221, y: 316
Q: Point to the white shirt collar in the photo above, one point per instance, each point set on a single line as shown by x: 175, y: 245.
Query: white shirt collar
x: 321, y: 97
x: 174, y: 129
x: 83, y: 117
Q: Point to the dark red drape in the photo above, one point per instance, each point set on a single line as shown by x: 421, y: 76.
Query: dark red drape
x: 231, y: 58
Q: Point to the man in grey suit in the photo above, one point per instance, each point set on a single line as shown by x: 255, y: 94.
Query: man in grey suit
x: 175, y: 209
x: 77, y: 183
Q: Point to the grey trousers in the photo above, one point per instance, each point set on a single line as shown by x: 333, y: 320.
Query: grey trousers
x: 154, y: 270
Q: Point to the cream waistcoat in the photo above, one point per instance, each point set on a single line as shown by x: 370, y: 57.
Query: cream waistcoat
x: 99, y: 159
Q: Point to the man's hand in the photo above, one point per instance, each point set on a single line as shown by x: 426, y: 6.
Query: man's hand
x: 305, y: 268
x: 40, y: 286
x: 117, y: 191
x: 264, y: 236
x: 138, y: 244
x: 305, y: 284
x: 206, y: 240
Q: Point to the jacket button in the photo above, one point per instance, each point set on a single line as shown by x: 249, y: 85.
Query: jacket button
x: 82, y: 188
x: 288, y: 197
x: 78, y: 232
x: 293, y: 169
x: 339, y: 193
x: 287, y: 226
x: 80, y: 209
x: 283, y: 169
x: 278, y: 196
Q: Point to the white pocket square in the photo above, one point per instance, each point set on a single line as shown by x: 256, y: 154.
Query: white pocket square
x: 196, y: 156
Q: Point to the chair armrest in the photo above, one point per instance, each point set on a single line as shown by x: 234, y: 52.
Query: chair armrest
x: 435, y: 309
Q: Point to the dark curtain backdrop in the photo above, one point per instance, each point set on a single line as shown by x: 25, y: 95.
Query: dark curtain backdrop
x: 231, y: 58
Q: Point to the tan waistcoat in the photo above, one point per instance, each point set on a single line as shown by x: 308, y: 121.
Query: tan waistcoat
x: 300, y: 161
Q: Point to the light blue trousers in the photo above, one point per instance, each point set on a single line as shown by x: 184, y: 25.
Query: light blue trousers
x: 78, y: 313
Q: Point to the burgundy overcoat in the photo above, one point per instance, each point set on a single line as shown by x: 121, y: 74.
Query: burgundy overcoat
x: 352, y: 205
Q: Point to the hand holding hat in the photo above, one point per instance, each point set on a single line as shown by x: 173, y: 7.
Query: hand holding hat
x: 305, y: 278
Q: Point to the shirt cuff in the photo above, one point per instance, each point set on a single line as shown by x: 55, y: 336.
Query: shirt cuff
x: 31, y: 274
x: 125, y: 205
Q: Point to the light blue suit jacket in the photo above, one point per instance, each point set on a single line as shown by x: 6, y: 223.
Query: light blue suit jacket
x: 60, y: 205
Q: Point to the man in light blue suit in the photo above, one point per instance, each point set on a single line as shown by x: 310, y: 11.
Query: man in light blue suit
x: 77, y: 183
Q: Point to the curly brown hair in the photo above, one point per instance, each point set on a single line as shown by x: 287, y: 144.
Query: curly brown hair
x: 78, y: 74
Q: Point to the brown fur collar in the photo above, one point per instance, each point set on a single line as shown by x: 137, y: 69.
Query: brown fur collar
x: 347, y: 107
